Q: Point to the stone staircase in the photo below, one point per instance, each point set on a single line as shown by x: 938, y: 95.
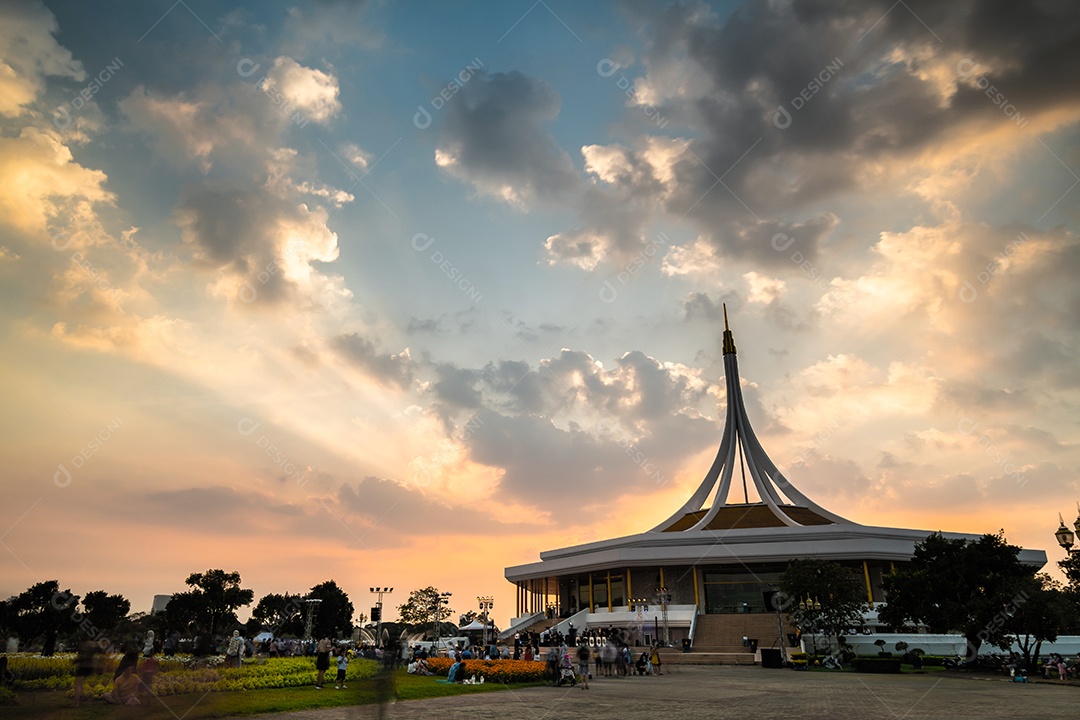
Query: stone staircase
x: 718, y: 639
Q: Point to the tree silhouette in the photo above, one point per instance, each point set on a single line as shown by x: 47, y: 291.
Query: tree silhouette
x: 420, y: 606
x: 334, y: 618
x: 104, y: 612
x: 213, y: 600
x: 43, y: 611
x: 969, y: 586
x: 280, y: 615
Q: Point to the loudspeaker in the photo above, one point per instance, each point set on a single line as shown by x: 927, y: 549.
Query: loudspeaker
x: 769, y: 596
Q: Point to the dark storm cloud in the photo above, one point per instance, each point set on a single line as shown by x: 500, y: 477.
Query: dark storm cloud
x: 392, y: 369
x: 854, y: 84
x: 494, y: 136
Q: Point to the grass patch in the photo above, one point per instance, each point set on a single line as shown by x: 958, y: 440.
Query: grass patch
x: 50, y: 705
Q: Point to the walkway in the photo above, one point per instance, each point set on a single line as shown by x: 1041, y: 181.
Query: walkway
x: 695, y: 692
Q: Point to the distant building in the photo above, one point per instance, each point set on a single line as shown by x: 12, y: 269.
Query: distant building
x: 701, y: 563
x: 160, y: 601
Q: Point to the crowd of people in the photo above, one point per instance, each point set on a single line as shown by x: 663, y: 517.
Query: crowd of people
x: 605, y: 650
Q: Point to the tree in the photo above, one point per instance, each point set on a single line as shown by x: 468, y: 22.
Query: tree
x: 334, y: 618
x: 1043, y: 611
x: 420, y: 607
x: 822, y: 596
x: 214, y: 599
x: 43, y: 611
x: 183, y: 613
x: 969, y: 586
x: 280, y: 615
x: 103, y: 612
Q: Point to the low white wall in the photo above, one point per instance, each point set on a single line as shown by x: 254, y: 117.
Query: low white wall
x: 948, y: 644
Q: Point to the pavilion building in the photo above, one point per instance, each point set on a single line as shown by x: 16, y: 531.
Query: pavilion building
x: 724, y: 559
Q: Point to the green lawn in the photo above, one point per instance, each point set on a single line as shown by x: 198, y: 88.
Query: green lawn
x: 46, y: 705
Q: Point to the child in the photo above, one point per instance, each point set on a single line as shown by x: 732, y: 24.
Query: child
x: 342, y: 664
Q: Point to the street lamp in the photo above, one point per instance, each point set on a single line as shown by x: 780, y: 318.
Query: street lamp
x: 487, y: 602
x: 808, y: 605
x: 441, y: 599
x: 1064, y: 535
x: 376, y: 612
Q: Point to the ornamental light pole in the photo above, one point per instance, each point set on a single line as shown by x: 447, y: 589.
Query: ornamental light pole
x: 487, y: 603
x: 376, y: 612
x: 1065, y: 536
x: 811, y: 607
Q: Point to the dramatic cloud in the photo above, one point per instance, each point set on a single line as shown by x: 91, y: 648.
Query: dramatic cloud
x: 312, y: 92
x: 493, y: 136
x: 29, y: 54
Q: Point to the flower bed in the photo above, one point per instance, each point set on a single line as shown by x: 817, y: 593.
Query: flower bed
x: 179, y: 675
x: 501, y: 671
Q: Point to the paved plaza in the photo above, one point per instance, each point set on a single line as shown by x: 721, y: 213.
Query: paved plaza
x: 705, y: 692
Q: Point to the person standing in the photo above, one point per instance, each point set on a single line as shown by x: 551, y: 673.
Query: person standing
x: 86, y: 664
x: 322, y: 660
x: 655, y: 661
x: 235, y: 650
x: 342, y: 666
x: 583, y: 664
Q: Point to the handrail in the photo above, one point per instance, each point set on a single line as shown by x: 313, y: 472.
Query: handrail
x: 693, y: 625
x: 521, y: 623
x: 558, y: 627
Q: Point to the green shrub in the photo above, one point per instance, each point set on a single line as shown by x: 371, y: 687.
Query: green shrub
x: 876, y: 665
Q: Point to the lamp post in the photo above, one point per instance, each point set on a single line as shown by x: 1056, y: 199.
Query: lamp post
x: 376, y: 612
x: 812, y: 607
x: 441, y: 599
x: 1065, y: 536
x: 665, y: 597
x: 487, y: 602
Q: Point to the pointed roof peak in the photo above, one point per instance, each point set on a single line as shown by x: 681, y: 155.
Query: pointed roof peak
x: 729, y: 339
x: 741, y: 455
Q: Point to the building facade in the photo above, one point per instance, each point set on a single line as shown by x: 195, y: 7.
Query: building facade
x: 723, y: 558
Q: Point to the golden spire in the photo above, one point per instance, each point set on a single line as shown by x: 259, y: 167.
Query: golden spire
x: 729, y: 339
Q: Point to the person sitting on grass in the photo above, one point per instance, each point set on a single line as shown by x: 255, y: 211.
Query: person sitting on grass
x: 457, y: 672
x: 125, y: 688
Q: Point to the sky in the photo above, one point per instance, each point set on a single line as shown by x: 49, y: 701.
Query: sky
x: 401, y: 294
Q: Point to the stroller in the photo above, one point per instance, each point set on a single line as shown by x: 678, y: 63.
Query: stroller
x: 566, y: 674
